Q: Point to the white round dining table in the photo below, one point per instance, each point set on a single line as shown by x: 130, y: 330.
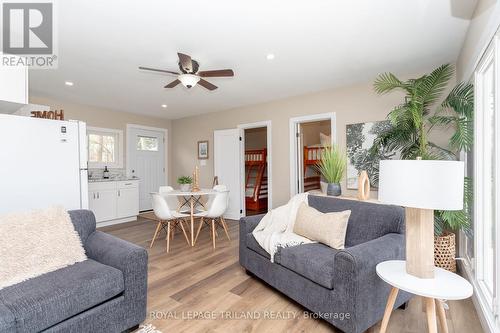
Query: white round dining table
x: 190, y: 199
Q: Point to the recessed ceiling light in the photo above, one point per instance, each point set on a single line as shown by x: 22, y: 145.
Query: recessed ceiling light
x: 164, y: 106
x: 270, y: 56
x: 69, y: 83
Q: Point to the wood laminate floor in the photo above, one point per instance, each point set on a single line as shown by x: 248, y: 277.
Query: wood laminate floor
x: 201, y: 290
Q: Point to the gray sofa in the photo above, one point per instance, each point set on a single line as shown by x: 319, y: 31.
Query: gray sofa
x: 105, y: 293
x: 340, y: 286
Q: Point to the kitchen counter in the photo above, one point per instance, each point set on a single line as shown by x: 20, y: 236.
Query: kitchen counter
x: 118, y: 179
x: 114, y: 200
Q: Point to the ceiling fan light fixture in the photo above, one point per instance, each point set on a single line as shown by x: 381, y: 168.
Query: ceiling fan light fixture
x: 190, y: 76
x: 189, y: 80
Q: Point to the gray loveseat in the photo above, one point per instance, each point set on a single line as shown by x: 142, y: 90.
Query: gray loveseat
x: 340, y: 286
x: 106, y: 293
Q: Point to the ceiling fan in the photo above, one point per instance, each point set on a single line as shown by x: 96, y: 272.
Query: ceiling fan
x: 190, y: 76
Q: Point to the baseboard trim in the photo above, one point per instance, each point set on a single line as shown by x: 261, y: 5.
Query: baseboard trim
x: 232, y: 217
x: 117, y: 221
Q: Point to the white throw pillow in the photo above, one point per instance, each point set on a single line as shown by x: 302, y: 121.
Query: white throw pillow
x: 327, y: 228
x: 326, y: 140
x: 36, y: 243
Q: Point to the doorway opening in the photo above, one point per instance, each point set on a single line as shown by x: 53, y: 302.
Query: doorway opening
x: 310, y: 135
x: 230, y: 167
x: 315, y: 136
x: 256, y: 168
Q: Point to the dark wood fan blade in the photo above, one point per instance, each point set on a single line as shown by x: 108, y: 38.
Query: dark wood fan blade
x: 206, y: 84
x: 216, y: 73
x: 186, y: 62
x: 172, y: 84
x: 158, y: 70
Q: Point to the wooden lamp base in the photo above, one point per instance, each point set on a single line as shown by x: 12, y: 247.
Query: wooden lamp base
x: 420, y: 242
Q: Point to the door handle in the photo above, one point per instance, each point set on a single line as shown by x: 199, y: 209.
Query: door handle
x: 97, y: 195
x: 94, y: 195
x: 118, y: 192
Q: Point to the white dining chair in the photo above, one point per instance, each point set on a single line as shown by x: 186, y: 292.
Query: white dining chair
x: 164, y: 189
x: 204, y: 207
x: 168, y: 219
x: 172, y: 200
x: 214, y: 213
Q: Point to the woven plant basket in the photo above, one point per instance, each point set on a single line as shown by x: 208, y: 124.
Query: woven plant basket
x: 444, y: 252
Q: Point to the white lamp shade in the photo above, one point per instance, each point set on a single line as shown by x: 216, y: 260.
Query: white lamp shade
x: 422, y: 184
x: 188, y: 80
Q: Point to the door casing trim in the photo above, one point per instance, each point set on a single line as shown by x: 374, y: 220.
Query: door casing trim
x: 294, y: 172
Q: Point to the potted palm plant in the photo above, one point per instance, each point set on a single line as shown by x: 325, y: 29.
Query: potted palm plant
x: 185, y: 183
x: 332, y: 166
x: 455, y: 112
x: 412, y: 121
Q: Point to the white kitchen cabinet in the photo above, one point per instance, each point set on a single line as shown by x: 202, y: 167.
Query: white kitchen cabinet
x: 13, y: 88
x: 128, y: 199
x: 114, y: 201
x: 103, y: 203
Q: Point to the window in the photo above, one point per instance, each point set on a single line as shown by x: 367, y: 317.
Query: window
x: 488, y: 109
x: 147, y: 143
x: 105, y: 147
x: 466, y: 241
x: 487, y: 180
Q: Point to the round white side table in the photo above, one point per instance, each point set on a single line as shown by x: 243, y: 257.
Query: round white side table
x: 444, y: 286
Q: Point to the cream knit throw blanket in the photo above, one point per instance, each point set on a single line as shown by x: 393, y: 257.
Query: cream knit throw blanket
x: 35, y: 243
x: 276, y: 227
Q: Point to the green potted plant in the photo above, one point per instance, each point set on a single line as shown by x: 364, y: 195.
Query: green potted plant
x: 332, y: 166
x: 412, y: 121
x: 185, y: 183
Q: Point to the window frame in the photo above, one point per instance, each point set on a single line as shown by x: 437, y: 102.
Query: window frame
x: 118, y: 134
x: 488, y: 299
x: 464, y: 240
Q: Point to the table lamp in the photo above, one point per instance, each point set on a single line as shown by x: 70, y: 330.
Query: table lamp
x: 421, y: 186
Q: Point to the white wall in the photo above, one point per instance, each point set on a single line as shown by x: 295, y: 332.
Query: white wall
x: 484, y: 23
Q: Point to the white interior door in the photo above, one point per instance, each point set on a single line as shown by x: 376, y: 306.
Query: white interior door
x: 227, y: 167
x: 146, y: 157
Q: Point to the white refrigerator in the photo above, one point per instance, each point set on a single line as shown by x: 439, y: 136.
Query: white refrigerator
x: 42, y: 163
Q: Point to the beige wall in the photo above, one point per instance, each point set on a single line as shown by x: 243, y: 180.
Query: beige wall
x: 353, y: 104
x: 484, y: 23
x: 256, y: 138
x: 311, y: 130
x: 98, y: 117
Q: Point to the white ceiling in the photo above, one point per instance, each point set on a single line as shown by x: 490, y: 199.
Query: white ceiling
x: 318, y: 45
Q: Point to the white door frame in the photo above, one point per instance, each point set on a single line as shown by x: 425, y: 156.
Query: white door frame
x: 294, y: 172
x: 149, y: 128
x: 268, y: 125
